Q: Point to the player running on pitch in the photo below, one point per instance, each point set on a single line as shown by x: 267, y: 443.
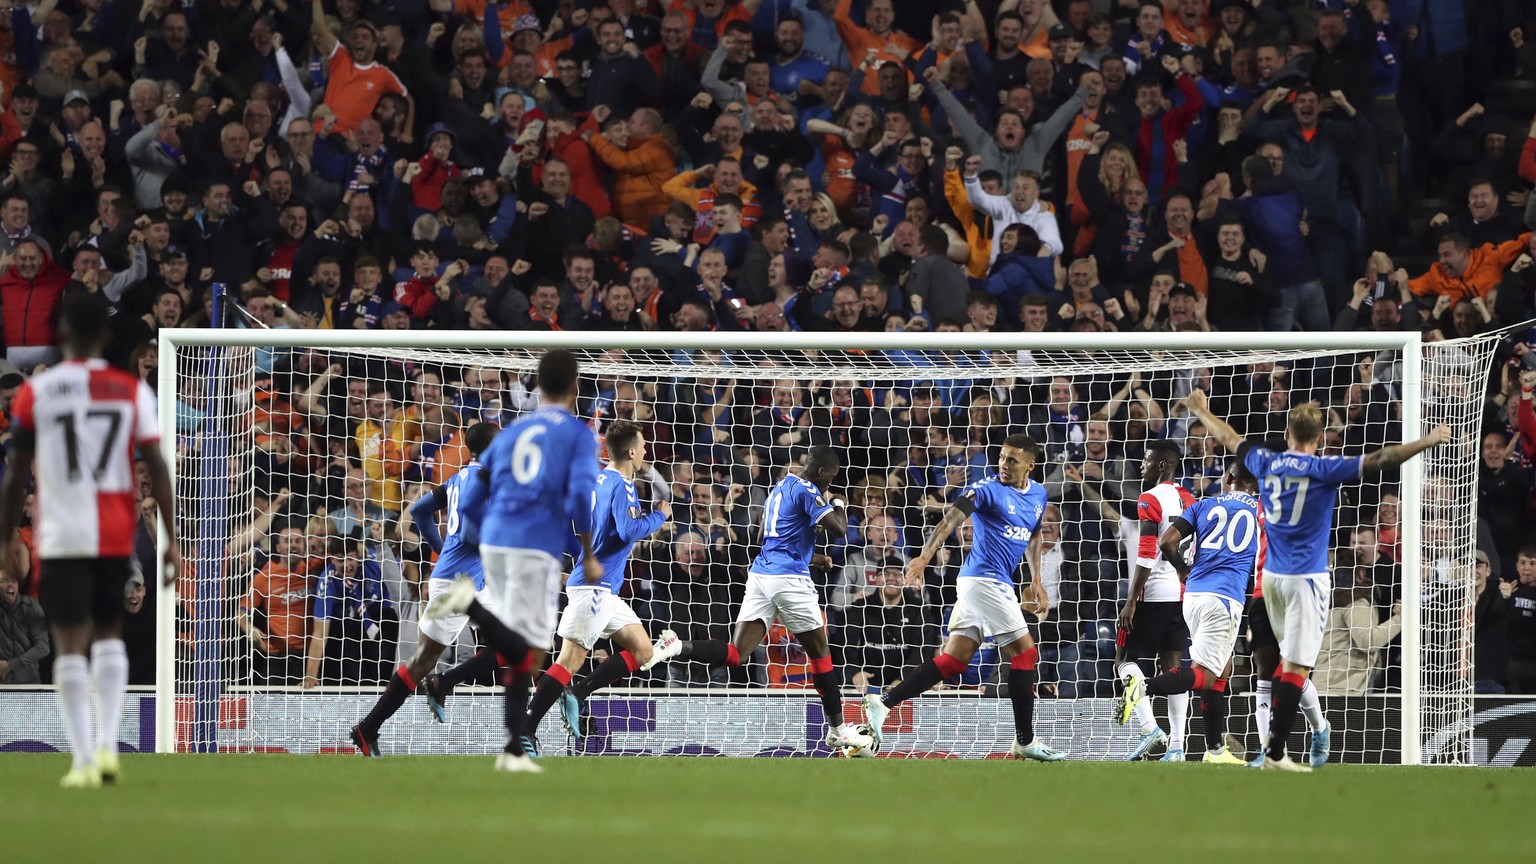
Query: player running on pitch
x: 1007, y: 508
x: 779, y: 586
x: 1152, y: 621
x: 595, y: 611
x: 458, y: 555
x: 540, y: 474
x: 1300, y: 488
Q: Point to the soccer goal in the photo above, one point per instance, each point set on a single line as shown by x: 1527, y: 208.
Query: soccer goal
x: 296, y: 454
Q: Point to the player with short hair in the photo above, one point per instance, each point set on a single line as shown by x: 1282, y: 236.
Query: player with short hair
x: 76, y: 428
x: 1151, y: 623
x: 1228, y: 548
x: 1300, y: 489
x: 1265, y: 650
x: 458, y: 554
x: 1005, y: 508
x: 779, y: 587
x: 596, y: 611
x: 539, y: 477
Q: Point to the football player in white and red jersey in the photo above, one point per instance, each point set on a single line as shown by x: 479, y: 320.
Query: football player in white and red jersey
x: 1152, y: 620
x: 76, y: 428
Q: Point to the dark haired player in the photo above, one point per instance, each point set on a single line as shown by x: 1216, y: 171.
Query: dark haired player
x: 1006, y: 508
x: 596, y: 611
x: 779, y: 586
x: 1151, y: 622
x: 1228, y: 532
x: 458, y: 555
x: 540, y: 474
x: 77, y: 427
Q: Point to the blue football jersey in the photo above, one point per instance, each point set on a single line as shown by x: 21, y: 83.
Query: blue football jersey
x: 358, y: 596
x: 465, y: 492
x: 790, y: 514
x: 1003, y: 521
x: 541, y: 470
x: 1299, y: 494
x: 617, y: 524
x: 1228, y: 545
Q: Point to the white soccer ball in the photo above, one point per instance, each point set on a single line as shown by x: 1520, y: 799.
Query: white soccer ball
x: 862, y: 752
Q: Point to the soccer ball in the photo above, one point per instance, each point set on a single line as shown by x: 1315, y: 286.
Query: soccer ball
x: 862, y: 752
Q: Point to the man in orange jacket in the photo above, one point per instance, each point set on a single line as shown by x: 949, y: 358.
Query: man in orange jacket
x: 726, y: 180
x: 1462, y: 272
x: 878, y: 43
x: 642, y: 163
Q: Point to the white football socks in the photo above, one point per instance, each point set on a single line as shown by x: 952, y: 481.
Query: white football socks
x: 1178, y: 720
x: 109, y: 666
x: 72, y: 677
x: 1262, y: 693
x: 1312, y: 707
x: 1143, y: 708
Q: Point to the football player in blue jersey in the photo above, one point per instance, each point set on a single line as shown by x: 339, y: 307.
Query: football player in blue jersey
x: 1228, y: 546
x: 539, y: 477
x: 1299, y: 489
x: 458, y: 554
x: 1005, y: 509
x: 779, y: 586
x: 595, y: 611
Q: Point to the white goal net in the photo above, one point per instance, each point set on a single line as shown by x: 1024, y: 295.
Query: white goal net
x: 296, y: 455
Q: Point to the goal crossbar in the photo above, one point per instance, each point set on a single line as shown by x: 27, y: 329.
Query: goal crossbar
x: 1226, y: 348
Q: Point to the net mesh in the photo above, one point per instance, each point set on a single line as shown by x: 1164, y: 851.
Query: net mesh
x: 294, y: 465
x: 1455, y: 385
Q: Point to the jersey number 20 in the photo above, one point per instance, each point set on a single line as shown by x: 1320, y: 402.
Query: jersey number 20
x: 1224, y: 533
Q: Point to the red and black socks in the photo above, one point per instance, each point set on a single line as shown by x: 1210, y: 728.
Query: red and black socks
x: 1022, y: 677
x: 1286, y: 701
x: 923, y: 678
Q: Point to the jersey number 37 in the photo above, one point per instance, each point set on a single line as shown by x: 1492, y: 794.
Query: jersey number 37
x: 1275, y: 512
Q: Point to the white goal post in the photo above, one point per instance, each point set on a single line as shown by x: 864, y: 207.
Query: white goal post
x: 1417, y: 692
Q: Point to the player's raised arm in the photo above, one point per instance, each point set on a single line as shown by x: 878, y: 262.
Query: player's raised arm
x: 1397, y: 454
x: 633, y: 527
x: 1169, y: 544
x: 954, y: 515
x: 1200, y: 406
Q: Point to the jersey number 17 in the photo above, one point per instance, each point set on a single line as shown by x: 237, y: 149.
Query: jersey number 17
x: 115, y: 420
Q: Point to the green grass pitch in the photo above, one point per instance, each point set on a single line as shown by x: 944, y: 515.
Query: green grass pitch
x: 296, y: 809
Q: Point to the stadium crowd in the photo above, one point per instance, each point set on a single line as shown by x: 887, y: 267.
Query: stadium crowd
x: 779, y: 165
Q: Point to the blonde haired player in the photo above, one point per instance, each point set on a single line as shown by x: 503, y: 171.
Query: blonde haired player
x: 1299, y: 489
